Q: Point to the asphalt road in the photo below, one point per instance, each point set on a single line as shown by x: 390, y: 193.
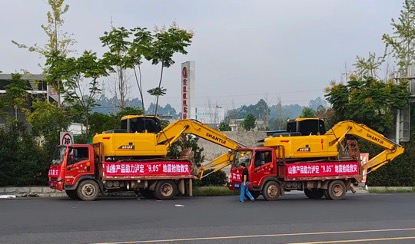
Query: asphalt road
x: 359, y: 218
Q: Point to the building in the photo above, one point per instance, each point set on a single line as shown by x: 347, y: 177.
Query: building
x: 36, y: 87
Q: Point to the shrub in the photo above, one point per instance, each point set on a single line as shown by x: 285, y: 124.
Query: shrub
x: 218, y: 178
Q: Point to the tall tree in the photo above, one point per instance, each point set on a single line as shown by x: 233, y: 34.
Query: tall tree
x: 118, y: 44
x: 58, y: 44
x: 167, y: 42
x: 401, y: 43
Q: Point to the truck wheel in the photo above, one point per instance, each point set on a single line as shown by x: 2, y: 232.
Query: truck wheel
x: 88, y: 190
x: 326, y: 194
x: 314, y: 193
x: 165, y: 190
x: 272, y: 191
x: 72, y: 194
x: 147, y: 193
x: 337, y: 190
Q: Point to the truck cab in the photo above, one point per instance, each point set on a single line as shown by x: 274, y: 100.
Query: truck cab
x: 69, y: 164
x: 261, y: 164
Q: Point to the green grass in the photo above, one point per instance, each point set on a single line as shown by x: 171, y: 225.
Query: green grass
x: 391, y: 189
x: 213, y: 191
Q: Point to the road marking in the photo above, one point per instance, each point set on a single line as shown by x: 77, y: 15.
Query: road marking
x: 268, y: 235
x: 359, y: 240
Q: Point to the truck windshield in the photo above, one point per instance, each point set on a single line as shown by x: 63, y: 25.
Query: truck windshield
x: 242, y: 156
x: 58, y: 155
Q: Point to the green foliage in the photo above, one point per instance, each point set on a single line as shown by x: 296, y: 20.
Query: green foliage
x: 308, y: 113
x: 16, y: 94
x: 47, y: 120
x: 249, y: 122
x: 187, y: 141
x: 224, y: 126
x: 22, y: 161
x: 218, y: 178
x: 400, y: 43
x: 368, y: 101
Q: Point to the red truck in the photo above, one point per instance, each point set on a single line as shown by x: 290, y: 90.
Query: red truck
x: 133, y: 158
x: 270, y: 175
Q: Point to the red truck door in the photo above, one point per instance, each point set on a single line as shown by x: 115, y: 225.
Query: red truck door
x: 262, y: 166
x: 78, y: 162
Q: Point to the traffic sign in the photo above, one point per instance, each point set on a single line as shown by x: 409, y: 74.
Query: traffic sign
x: 66, y: 138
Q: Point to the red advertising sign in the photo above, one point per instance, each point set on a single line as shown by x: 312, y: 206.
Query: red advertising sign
x: 322, y: 169
x: 170, y: 168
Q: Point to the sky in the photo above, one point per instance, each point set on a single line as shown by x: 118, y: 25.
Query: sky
x: 243, y: 50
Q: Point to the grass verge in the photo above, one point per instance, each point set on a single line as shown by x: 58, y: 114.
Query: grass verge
x: 213, y: 191
x: 391, y: 189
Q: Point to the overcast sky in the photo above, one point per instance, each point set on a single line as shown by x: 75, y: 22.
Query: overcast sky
x: 243, y: 50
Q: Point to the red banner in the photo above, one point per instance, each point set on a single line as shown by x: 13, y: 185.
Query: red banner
x: 322, y: 169
x: 146, y: 168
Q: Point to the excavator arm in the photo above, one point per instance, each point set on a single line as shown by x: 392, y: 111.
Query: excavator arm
x: 217, y: 164
x: 348, y: 127
x: 172, y: 133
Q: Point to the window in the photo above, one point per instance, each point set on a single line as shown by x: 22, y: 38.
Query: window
x: 77, y: 155
x: 262, y: 157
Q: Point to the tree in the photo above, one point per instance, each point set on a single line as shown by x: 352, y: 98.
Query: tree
x: 402, y: 41
x: 249, y: 122
x: 368, y: 101
x: 308, y: 113
x: 16, y: 94
x: 224, y: 126
x: 166, y: 43
x: 367, y: 67
x: 75, y: 72
x: 59, y: 41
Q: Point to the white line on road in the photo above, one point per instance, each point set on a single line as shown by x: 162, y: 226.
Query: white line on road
x: 268, y: 235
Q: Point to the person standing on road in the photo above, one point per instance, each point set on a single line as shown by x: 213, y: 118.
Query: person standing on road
x: 245, y: 185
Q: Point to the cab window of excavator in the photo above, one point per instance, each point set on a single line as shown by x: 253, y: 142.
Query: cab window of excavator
x: 243, y: 156
x: 141, y: 125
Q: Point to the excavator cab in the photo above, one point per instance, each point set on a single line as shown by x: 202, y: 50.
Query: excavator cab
x: 306, y: 126
x: 140, y: 124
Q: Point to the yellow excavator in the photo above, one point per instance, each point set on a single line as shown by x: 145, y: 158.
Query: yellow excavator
x: 307, y: 138
x: 141, y: 137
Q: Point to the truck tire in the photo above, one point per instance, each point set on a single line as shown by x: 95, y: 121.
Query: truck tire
x: 336, y: 190
x: 72, y: 194
x: 271, y: 191
x: 147, y: 193
x: 165, y: 190
x: 314, y: 193
x: 88, y: 190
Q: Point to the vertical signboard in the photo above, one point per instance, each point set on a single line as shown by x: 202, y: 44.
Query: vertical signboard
x: 187, y: 89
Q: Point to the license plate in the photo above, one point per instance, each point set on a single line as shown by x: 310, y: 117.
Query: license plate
x: 52, y: 184
x: 237, y: 186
